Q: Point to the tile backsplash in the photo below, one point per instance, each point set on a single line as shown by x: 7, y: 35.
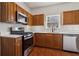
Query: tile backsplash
x: 4, y: 27
x: 70, y: 27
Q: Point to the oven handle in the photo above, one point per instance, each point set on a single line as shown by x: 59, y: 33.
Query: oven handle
x: 28, y: 38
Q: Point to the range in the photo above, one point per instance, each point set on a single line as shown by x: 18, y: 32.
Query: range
x: 27, y: 40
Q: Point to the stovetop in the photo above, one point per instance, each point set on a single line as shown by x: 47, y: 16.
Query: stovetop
x: 22, y: 33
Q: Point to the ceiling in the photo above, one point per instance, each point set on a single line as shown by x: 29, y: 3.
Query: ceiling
x: 41, y: 4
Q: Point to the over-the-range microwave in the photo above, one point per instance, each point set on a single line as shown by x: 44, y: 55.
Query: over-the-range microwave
x: 22, y: 18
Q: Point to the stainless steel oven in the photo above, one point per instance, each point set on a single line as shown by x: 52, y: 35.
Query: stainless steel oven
x: 28, y: 44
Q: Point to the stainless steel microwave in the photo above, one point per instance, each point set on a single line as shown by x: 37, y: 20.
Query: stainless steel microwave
x: 22, y: 18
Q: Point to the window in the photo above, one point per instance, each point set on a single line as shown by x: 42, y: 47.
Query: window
x: 52, y: 22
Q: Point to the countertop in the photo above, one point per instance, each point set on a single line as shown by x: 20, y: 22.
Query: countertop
x: 59, y: 32
x: 11, y: 36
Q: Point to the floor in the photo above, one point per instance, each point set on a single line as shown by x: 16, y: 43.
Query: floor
x: 40, y: 51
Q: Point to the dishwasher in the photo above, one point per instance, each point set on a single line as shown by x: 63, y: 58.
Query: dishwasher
x: 71, y: 43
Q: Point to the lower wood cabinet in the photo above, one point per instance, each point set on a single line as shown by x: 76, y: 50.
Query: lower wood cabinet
x: 11, y: 46
x: 48, y: 40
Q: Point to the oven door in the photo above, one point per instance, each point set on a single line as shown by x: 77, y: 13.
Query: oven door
x: 28, y: 42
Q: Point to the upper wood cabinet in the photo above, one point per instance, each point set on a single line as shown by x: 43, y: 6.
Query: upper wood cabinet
x: 30, y: 19
x: 71, y: 17
x: 21, y: 10
x: 8, y: 12
x: 48, y: 40
x: 0, y: 11
x: 38, y: 19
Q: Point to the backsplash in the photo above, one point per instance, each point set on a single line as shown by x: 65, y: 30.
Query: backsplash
x: 37, y: 28
x: 70, y: 27
x: 4, y: 27
x: 41, y: 29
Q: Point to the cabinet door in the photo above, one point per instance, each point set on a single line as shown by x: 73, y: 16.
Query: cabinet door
x: 0, y: 12
x: 18, y: 46
x: 8, y: 11
x: 30, y: 19
x: 68, y: 18
x: 38, y: 19
x: 39, y: 39
x: 8, y: 48
x: 21, y: 10
x: 76, y: 15
x: 12, y: 12
x: 49, y: 40
x: 71, y: 17
x: 4, y: 11
x: 18, y: 8
x: 0, y: 46
x: 34, y: 20
x: 57, y: 41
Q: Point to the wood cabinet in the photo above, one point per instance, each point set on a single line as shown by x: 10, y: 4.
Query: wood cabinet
x: 76, y: 16
x: 48, y: 40
x: 18, y: 46
x: 30, y: 19
x: 71, y: 17
x: 39, y: 39
x: 11, y: 46
x: 38, y: 19
x: 21, y: 10
x: 8, y: 12
x: 0, y: 11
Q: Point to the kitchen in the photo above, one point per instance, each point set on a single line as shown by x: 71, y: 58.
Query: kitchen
x: 51, y: 27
